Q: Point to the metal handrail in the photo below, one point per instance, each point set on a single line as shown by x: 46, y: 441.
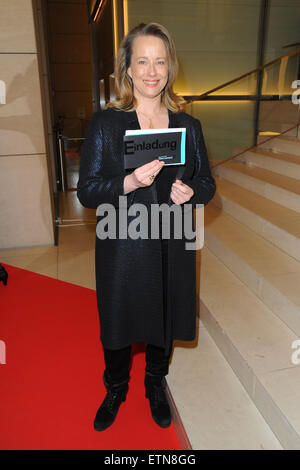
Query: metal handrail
x: 253, y: 146
x: 189, y: 99
x: 291, y: 45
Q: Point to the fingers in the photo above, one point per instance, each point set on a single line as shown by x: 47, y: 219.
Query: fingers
x: 152, y: 168
x: 143, y: 172
x: 175, y: 199
x: 155, y: 169
x: 181, y: 192
x: 154, y: 164
x: 180, y: 188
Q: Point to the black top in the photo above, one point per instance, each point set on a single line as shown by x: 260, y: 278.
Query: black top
x: 164, y: 181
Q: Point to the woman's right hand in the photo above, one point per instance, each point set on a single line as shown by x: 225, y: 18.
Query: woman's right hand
x: 139, y: 178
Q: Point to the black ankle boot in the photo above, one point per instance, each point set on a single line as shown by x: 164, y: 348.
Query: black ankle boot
x: 108, y: 410
x: 155, y: 391
x: 3, y: 275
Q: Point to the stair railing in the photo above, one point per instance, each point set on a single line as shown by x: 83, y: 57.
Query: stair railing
x: 208, y: 95
x: 253, y: 146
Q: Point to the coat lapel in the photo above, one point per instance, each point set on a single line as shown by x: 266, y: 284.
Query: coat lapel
x: 131, y: 120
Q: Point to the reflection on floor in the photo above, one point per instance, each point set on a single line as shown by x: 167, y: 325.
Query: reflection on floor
x: 73, y: 259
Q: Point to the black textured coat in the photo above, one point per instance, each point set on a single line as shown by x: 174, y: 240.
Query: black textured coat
x: 129, y: 272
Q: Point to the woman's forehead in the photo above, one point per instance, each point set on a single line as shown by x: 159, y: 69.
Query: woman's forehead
x: 149, y: 45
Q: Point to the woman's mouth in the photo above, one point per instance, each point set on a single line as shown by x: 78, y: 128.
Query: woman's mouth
x: 151, y: 83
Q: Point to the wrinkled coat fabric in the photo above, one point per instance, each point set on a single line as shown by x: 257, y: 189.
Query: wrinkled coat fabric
x: 129, y: 271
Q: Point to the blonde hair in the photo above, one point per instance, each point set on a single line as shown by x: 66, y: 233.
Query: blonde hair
x: 126, y: 100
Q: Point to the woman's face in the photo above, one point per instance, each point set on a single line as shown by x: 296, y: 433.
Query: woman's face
x: 149, y: 66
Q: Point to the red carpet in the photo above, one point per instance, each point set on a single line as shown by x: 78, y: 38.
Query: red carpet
x: 51, y: 385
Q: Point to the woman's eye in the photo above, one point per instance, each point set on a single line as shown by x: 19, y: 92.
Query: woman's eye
x: 142, y: 62
x: 161, y: 62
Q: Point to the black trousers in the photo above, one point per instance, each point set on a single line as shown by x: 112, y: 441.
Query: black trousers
x: 117, y: 361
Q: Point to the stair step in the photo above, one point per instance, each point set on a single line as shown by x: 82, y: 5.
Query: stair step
x: 272, y: 275
x: 277, y: 224
x: 282, y: 163
x: 215, y: 409
x: 283, y: 143
x: 293, y: 132
x: 256, y: 344
x: 278, y: 188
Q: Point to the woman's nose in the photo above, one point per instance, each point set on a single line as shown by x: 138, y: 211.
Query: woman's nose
x: 152, y: 69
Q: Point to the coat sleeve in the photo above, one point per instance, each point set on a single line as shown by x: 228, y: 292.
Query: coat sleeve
x: 93, y: 188
x: 202, y: 181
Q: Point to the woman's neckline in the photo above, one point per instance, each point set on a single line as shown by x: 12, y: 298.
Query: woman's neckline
x: 137, y: 119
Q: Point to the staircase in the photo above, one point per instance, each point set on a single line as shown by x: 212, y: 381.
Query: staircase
x: 249, y: 307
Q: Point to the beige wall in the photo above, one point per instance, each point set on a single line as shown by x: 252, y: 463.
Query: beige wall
x: 26, y: 207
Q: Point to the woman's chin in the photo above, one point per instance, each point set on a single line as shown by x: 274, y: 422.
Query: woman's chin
x: 152, y: 93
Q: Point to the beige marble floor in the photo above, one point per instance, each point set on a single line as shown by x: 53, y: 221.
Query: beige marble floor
x: 73, y: 259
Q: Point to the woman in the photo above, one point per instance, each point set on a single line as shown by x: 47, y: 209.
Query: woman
x: 146, y: 289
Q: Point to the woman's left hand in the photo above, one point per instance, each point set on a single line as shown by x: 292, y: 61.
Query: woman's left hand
x: 181, y: 192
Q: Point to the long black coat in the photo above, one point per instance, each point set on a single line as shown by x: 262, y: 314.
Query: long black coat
x: 129, y: 272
